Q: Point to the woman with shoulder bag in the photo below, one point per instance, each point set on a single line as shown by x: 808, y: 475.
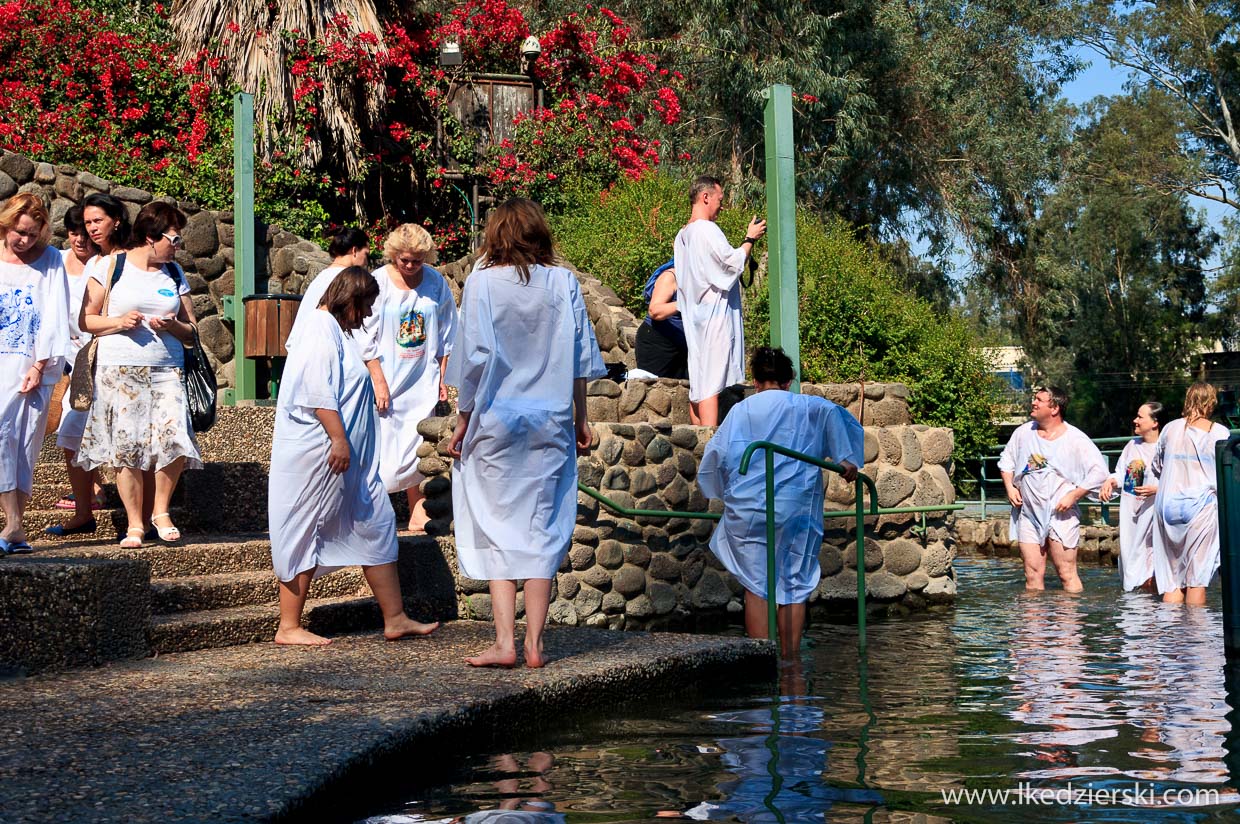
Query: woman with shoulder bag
x: 34, y: 339
x: 138, y: 306
x: 95, y: 228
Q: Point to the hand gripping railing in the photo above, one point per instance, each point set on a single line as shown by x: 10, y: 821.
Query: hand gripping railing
x: 863, y: 482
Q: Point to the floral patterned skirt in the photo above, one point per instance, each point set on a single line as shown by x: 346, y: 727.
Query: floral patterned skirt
x: 138, y: 419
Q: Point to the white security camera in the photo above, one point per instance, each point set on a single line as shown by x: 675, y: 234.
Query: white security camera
x: 531, y: 48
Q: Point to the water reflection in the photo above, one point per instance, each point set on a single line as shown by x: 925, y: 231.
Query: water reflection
x: 1104, y: 690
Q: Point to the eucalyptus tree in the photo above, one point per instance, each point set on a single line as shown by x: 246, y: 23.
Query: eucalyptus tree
x: 1190, y: 51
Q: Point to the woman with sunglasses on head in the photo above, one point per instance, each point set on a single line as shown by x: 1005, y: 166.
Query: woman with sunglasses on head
x: 139, y: 420
x: 34, y: 299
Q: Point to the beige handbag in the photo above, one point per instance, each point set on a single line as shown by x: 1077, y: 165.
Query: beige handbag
x: 82, y: 380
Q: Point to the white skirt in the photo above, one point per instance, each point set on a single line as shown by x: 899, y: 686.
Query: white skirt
x: 72, y: 425
x: 23, y: 419
x: 138, y: 419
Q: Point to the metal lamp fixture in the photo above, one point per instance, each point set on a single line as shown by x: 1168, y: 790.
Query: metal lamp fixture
x: 450, y: 53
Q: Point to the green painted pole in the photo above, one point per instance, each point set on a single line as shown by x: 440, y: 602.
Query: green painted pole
x: 781, y: 225
x: 860, y: 567
x: 244, y: 228
x: 772, y: 614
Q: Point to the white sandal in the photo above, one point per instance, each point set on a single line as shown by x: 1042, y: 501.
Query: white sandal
x: 133, y: 538
x: 168, y: 534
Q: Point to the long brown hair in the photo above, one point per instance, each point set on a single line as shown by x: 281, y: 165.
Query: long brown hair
x: 1199, y: 401
x: 517, y: 235
x: 350, y: 295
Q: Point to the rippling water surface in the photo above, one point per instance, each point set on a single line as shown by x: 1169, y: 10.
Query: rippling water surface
x: 1100, y: 707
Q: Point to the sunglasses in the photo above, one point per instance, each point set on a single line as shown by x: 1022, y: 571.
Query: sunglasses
x: 175, y: 240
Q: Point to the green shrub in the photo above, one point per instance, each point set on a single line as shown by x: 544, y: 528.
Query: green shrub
x: 856, y: 322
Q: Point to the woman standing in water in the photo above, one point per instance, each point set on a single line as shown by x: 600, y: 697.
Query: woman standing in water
x: 1186, y: 547
x: 1137, y: 484
x: 523, y: 353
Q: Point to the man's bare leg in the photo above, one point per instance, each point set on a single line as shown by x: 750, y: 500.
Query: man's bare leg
x: 1064, y: 560
x: 1195, y: 596
x: 706, y: 411
x: 1175, y: 596
x: 537, y: 602
x: 1035, y: 566
x: 755, y: 615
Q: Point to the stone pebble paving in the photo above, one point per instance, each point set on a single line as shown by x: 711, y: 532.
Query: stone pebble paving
x: 257, y: 732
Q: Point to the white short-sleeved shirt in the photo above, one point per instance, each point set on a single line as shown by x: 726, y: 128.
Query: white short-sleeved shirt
x: 154, y: 294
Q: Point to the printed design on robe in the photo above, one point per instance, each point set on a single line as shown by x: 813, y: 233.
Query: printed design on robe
x: 1134, y: 476
x: 19, y: 321
x: 411, y: 335
x: 1036, y: 463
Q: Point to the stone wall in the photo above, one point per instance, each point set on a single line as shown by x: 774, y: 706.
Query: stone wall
x: 636, y: 572
x: 989, y: 538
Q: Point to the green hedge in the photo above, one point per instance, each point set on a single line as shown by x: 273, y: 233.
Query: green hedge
x: 856, y: 322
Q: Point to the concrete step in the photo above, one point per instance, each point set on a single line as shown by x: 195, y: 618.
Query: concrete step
x: 224, y: 590
x: 111, y: 525
x: 196, y: 555
x: 185, y: 631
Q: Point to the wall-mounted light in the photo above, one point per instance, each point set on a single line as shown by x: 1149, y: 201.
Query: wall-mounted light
x: 450, y: 53
x: 530, y: 50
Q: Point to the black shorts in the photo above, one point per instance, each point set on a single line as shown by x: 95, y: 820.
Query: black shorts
x: 660, y: 354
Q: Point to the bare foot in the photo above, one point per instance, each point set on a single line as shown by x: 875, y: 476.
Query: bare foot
x: 494, y: 656
x: 301, y: 637
x: 418, y: 518
x: 404, y: 626
x: 534, y: 658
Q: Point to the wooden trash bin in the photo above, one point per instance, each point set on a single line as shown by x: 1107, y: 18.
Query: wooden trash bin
x: 268, y: 321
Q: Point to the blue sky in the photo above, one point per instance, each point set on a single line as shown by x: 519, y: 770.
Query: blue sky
x: 1098, y: 78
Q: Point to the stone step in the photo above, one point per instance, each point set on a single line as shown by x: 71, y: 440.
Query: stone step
x: 224, y: 590
x: 197, y: 555
x: 186, y: 631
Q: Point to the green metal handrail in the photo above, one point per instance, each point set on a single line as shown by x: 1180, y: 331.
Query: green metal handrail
x: 863, y: 482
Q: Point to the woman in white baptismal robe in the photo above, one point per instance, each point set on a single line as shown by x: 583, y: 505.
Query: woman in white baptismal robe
x: 1186, y: 542
x: 814, y: 426
x: 327, y: 507
x: 1136, y: 482
x: 523, y: 353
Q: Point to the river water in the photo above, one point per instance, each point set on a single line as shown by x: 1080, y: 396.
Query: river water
x: 1099, y: 707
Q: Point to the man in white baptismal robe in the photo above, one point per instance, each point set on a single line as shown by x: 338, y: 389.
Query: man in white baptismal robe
x: 1048, y: 466
x: 708, y: 295
x: 813, y: 426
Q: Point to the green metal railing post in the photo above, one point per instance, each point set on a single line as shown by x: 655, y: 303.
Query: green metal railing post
x: 772, y: 612
x: 861, y: 563
x: 781, y: 225
x: 244, y: 244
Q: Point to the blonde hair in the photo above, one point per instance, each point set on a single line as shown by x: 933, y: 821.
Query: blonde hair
x: 1199, y: 401
x: 26, y: 203
x: 410, y: 238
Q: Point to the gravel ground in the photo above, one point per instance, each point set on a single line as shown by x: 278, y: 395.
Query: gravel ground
x: 259, y: 732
